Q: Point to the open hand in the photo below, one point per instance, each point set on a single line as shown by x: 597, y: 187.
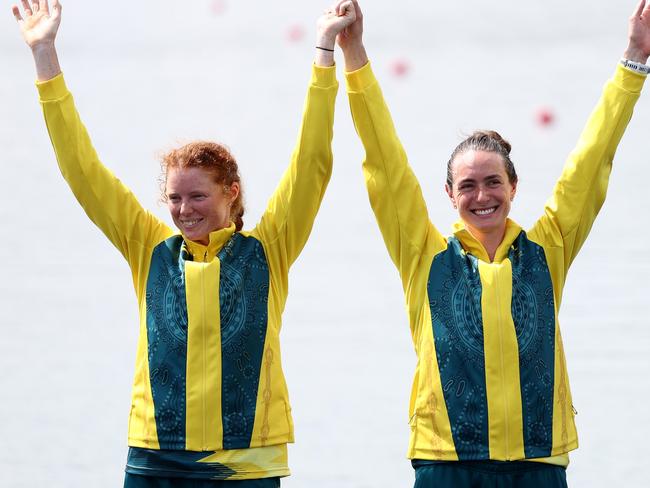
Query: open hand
x: 639, y: 33
x: 39, y: 23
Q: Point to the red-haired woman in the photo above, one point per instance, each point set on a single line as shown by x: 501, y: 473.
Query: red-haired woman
x: 491, y: 391
x: 209, y: 397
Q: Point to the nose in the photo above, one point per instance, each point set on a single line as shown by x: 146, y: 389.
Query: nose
x: 185, y: 208
x: 482, y: 195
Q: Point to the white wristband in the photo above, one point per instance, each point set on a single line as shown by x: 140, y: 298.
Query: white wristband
x: 639, y: 68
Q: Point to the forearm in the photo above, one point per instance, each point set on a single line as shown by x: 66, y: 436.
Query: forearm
x: 355, y: 56
x: 324, y: 55
x: 288, y: 219
x: 106, y: 201
x: 46, y: 62
x: 581, y: 189
x: 393, y: 189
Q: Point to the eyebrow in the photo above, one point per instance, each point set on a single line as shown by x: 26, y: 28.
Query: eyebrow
x: 473, y: 180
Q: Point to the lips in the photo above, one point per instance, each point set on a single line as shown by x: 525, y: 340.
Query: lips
x: 189, y: 224
x: 481, y: 212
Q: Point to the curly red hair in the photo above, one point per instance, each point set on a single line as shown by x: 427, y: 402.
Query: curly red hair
x: 214, y: 158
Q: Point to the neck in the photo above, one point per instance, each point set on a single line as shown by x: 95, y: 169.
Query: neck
x: 489, y: 240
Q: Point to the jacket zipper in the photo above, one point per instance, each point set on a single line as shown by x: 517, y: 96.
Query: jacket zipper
x: 503, y: 379
x: 203, y: 357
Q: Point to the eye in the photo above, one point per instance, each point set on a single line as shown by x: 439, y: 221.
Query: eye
x: 173, y: 198
x: 494, y: 183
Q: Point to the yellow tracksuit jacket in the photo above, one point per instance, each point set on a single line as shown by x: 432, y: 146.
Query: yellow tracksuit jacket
x: 491, y: 379
x: 208, y: 369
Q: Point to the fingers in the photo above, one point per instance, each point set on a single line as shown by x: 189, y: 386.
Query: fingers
x: 43, y: 6
x: 16, y: 11
x: 345, y: 8
x: 357, y: 9
x: 56, y: 8
x: 639, y: 8
x: 26, y: 7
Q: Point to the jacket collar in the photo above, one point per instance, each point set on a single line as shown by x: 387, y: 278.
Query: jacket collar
x: 473, y: 246
x: 218, y: 238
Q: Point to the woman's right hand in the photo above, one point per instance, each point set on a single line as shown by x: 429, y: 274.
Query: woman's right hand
x: 350, y: 39
x: 39, y: 23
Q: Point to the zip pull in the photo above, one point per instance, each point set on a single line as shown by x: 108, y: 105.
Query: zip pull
x: 575, y: 412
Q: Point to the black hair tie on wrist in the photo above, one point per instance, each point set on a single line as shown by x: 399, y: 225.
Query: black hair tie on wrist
x: 325, y: 49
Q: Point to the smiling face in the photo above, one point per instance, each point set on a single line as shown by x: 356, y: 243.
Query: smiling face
x: 198, y: 205
x: 482, y: 192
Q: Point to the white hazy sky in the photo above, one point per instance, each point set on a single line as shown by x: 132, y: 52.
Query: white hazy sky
x: 147, y: 76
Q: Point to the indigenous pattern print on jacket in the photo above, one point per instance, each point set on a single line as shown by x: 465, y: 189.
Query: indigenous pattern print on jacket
x: 209, y: 394
x: 491, y: 379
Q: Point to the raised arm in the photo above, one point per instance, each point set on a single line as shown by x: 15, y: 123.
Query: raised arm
x: 582, y: 187
x: 290, y: 213
x: 393, y: 189
x: 108, y: 203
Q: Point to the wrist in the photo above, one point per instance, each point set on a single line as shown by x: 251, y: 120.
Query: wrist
x: 326, y: 41
x: 43, y: 48
x: 355, y: 56
x: 46, y: 61
x: 635, y: 66
x: 635, y: 54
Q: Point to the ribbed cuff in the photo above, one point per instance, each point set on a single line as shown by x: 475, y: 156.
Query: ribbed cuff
x: 323, y: 76
x: 629, y: 80
x: 53, y: 89
x: 360, y: 79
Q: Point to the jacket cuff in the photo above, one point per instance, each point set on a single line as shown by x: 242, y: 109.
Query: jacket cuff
x: 53, y: 89
x: 629, y: 80
x: 360, y: 79
x: 323, y: 76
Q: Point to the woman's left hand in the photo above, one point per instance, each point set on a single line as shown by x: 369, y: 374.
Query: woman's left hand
x: 638, y: 48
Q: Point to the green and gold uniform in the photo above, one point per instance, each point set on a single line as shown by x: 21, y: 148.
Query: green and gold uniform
x: 209, y: 395
x: 491, y: 381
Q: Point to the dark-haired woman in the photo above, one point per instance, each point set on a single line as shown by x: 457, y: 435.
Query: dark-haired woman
x: 491, y: 390
x: 209, y: 397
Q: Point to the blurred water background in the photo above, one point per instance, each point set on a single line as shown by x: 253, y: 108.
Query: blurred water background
x: 147, y: 76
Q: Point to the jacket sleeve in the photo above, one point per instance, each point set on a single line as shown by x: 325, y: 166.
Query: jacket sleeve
x: 106, y: 200
x: 580, y: 192
x: 393, y: 189
x: 291, y: 210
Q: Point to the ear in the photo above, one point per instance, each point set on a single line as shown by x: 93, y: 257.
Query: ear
x: 450, y: 194
x: 233, y: 191
x: 514, y: 190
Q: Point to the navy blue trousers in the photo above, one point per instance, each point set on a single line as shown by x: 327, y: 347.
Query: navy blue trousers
x: 488, y: 474
x: 139, y: 481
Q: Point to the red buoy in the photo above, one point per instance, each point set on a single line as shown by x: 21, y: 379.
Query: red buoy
x: 219, y: 7
x: 544, y: 117
x: 399, y: 67
x: 295, y: 33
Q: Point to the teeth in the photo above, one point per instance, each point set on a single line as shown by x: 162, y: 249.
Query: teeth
x: 484, y: 211
x: 191, y: 222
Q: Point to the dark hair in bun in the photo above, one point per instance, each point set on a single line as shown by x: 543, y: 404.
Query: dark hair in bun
x: 484, y: 140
